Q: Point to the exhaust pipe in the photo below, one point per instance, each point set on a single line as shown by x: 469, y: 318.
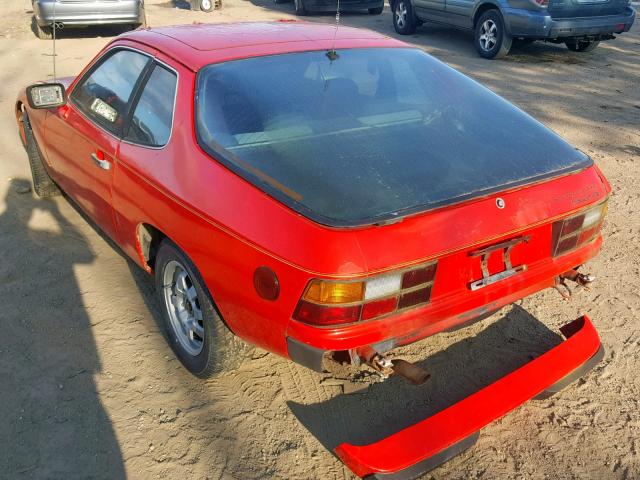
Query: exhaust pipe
x: 582, y: 279
x: 410, y: 371
x: 385, y: 367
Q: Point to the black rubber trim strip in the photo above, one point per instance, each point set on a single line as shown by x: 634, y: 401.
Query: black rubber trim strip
x: 417, y: 469
x: 305, y: 355
x: 573, y: 376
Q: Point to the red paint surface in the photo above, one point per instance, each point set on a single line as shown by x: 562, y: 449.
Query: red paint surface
x: 228, y: 227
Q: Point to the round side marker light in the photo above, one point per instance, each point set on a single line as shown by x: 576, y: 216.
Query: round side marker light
x: 266, y: 283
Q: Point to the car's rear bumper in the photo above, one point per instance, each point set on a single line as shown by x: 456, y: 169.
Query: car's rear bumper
x: 88, y: 13
x: 539, y: 24
x: 307, y: 344
x: 425, y: 445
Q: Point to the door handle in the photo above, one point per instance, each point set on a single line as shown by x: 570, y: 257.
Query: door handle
x: 100, y: 162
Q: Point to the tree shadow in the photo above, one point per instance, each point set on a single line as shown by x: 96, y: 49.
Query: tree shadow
x: 456, y: 372
x: 55, y: 425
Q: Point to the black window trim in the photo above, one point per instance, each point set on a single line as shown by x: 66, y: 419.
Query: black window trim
x: 136, y: 92
x: 135, y: 99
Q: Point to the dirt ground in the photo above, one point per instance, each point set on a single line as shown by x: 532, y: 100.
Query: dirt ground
x: 89, y: 388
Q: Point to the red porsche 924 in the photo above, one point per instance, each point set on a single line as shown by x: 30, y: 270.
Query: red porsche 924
x: 323, y: 199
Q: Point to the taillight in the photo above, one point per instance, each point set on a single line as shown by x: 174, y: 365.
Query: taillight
x: 328, y: 302
x: 573, y: 232
x: 542, y: 3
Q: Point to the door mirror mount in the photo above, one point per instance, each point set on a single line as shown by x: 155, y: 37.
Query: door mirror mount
x: 46, y: 95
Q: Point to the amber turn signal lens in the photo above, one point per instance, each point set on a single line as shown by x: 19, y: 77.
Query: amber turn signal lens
x: 320, y: 291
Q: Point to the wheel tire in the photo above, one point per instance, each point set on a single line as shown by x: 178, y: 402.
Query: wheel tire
x: 301, y: 11
x: 404, y: 20
x: 497, y: 42
x: 43, y: 33
x: 221, y: 350
x: 376, y: 11
x: 587, y: 46
x: 43, y: 185
x: 206, y: 5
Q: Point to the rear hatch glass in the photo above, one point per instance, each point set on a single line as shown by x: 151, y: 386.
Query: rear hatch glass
x: 586, y: 8
x: 371, y: 135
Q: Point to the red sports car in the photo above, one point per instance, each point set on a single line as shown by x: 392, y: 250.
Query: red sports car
x: 327, y: 199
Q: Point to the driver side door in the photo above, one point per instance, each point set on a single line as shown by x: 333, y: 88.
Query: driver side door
x: 85, y: 133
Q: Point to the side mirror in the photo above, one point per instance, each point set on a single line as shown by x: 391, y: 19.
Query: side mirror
x: 46, y: 95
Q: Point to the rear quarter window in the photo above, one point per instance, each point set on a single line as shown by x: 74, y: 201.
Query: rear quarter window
x: 153, y: 114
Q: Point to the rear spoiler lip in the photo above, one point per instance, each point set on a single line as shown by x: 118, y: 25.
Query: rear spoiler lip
x: 431, y: 442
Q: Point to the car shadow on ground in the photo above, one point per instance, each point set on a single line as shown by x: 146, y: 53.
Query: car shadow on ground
x: 56, y: 407
x: 181, y: 4
x: 456, y: 372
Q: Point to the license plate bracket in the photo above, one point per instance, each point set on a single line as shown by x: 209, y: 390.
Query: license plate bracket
x: 509, y: 270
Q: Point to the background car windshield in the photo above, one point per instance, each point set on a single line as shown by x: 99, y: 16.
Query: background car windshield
x: 371, y: 135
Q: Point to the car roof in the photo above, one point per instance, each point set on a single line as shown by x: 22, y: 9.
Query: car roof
x: 200, y: 44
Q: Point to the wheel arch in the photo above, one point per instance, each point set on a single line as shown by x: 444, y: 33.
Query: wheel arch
x: 20, y: 112
x: 484, y: 7
x: 148, y: 239
x: 392, y: 4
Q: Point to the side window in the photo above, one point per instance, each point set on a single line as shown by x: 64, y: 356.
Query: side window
x: 105, y: 93
x: 152, y: 117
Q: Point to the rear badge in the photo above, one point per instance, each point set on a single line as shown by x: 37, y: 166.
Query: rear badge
x: 500, y: 203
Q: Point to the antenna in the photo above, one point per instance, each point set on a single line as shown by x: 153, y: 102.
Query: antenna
x: 332, y: 54
x: 54, y: 41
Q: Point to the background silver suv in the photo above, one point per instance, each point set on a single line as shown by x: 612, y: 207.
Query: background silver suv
x: 580, y: 24
x: 83, y: 13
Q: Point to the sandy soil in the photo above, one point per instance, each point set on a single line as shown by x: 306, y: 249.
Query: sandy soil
x: 89, y: 389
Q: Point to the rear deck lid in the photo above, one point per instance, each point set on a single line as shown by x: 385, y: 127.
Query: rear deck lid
x: 370, y: 135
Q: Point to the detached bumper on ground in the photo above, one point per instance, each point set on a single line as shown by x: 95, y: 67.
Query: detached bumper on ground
x: 425, y: 445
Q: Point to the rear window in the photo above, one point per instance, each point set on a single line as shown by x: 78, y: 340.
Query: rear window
x: 370, y: 136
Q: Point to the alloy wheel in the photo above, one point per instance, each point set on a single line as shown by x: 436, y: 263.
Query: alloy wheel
x: 401, y: 15
x: 183, y: 307
x: 488, y: 35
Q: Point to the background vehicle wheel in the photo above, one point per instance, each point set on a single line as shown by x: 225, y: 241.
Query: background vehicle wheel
x: 207, y: 5
x: 43, y: 185
x: 376, y: 11
x: 491, y: 39
x: 300, y: 9
x: 585, y: 46
x: 194, y: 328
x: 404, y: 20
x: 43, y: 33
